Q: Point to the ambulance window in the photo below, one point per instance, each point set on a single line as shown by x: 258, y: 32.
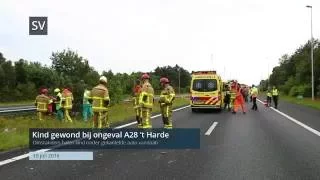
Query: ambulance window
x: 204, y: 85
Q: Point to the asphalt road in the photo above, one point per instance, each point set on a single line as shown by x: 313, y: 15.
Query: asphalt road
x: 257, y: 145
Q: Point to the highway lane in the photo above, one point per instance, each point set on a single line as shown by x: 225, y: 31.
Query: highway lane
x: 258, y: 145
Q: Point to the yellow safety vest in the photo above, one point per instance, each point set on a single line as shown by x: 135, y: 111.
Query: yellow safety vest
x: 275, y: 92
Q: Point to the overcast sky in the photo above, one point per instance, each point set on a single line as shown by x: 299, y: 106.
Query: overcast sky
x: 245, y: 37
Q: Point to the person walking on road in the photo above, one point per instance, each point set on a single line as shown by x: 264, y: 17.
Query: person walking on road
x: 100, y: 101
x: 269, y: 97
x: 239, y: 101
x: 41, y: 102
x: 166, y: 100
x: 146, y: 101
x: 137, y: 109
x: 86, y: 105
x: 226, y: 99
x: 254, y: 94
x: 275, y: 95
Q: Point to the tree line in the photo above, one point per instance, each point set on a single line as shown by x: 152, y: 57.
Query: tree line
x: 22, y: 80
x: 293, y: 74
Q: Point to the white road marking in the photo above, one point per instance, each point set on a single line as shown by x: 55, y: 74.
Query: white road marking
x: 44, y: 150
x: 211, y: 128
x: 295, y: 121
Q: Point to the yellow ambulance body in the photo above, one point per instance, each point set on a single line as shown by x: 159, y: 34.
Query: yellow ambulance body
x: 206, y: 90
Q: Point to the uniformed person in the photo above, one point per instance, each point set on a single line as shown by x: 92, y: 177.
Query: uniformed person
x: 166, y: 100
x: 146, y: 101
x: 137, y: 108
x: 66, y: 103
x: 100, y: 101
x: 269, y: 97
x: 58, y: 103
x: 275, y: 95
x: 41, y: 103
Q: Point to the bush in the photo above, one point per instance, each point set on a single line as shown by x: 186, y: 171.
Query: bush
x: 301, y: 90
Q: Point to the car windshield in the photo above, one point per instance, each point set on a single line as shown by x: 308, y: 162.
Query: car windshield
x: 204, y: 85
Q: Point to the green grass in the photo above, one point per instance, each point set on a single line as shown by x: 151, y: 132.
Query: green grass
x: 29, y: 102
x: 305, y: 101
x: 14, y: 130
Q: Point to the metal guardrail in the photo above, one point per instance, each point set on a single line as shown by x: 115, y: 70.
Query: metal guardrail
x: 33, y: 108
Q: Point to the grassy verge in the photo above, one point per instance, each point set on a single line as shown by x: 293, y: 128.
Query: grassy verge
x: 305, y: 101
x: 3, y: 104
x: 14, y: 131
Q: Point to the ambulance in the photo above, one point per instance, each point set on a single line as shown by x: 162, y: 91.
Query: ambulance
x: 206, y: 90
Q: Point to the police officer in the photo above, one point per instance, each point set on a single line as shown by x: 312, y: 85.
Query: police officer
x: 275, y: 95
x: 269, y: 97
x: 100, y: 101
x: 137, y: 109
x: 146, y: 101
x: 166, y: 99
x: 41, y: 102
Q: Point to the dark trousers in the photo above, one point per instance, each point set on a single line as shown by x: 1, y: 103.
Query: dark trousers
x: 254, y: 101
x: 269, y: 100
x: 227, y: 105
x: 275, y: 100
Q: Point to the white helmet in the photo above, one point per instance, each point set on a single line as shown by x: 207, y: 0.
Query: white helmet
x: 103, y: 79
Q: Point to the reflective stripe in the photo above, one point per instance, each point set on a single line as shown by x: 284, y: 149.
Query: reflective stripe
x: 42, y: 106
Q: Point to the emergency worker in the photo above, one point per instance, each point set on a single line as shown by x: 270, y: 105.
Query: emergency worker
x: 100, y: 101
x: 137, y: 108
x: 166, y: 100
x: 66, y: 103
x: 227, y: 97
x: 58, y: 103
x: 42, y: 101
x: 86, y: 105
x: 254, y: 94
x: 275, y: 95
x: 239, y: 101
x: 269, y: 97
x: 146, y: 101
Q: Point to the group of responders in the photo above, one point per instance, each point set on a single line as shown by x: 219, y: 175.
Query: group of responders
x: 101, y: 135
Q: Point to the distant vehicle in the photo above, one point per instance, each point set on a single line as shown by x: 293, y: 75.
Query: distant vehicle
x: 206, y: 90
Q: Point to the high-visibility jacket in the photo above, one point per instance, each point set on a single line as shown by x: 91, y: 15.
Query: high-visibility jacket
x: 269, y: 94
x: 167, y: 95
x: 275, y: 92
x: 66, y: 99
x: 86, y: 97
x: 42, y: 102
x: 58, y: 101
x: 100, y: 98
x: 146, y: 95
x: 136, y: 93
x: 254, y: 92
